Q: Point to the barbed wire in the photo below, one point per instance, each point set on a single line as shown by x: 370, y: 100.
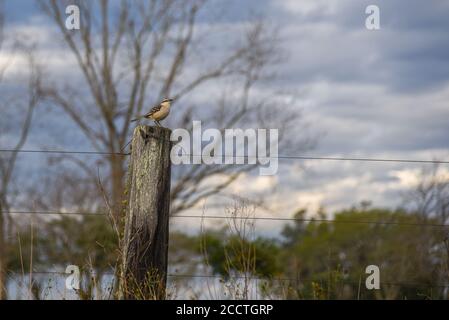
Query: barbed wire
x: 58, y: 213
x: 292, y: 157
x: 316, y: 220
x: 257, y: 278
x: 416, y: 224
x: 65, y: 152
x: 406, y: 284
x: 287, y: 157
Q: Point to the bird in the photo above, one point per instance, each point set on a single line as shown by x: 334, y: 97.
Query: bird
x: 158, y: 112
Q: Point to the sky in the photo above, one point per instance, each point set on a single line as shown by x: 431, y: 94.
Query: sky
x: 364, y: 93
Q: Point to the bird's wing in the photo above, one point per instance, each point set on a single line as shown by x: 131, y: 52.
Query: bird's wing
x: 153, y: 110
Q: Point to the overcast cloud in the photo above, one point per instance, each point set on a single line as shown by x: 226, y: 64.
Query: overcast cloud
x: 365, y: 93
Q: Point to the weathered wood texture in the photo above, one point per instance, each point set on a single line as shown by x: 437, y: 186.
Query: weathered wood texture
x: 145, y: 241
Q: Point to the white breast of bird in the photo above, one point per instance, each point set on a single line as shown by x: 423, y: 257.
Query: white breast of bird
x: 163, y: 111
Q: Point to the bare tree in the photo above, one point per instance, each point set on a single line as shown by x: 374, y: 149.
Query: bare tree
x: 8, y: 161
x: 430, y: 200
x: 430, y: 197
x: 132, y: 54
x: 2, y: 197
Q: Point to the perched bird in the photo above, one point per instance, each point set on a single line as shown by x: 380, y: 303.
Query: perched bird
x: 158, y: 112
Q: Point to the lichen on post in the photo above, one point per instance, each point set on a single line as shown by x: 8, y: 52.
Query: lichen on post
x: 145, y: 239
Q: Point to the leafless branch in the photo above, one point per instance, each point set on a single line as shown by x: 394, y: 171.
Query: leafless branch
x: 133, y: 54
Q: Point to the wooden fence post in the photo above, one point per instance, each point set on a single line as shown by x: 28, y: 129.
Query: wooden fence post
x: 145, y: 239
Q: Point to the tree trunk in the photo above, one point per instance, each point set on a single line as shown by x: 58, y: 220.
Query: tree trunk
x: 117, y: 174
x: 145, y: 242
x: 3, y: 265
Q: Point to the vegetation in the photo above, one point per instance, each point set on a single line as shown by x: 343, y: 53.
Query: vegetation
x: 128, y: 57
x: 313, y: 258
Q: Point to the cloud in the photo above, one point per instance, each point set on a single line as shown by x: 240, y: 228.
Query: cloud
x: 377, y: 94
x: 361, y: 118
x: 310, y: 7
x: 327, y: 40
